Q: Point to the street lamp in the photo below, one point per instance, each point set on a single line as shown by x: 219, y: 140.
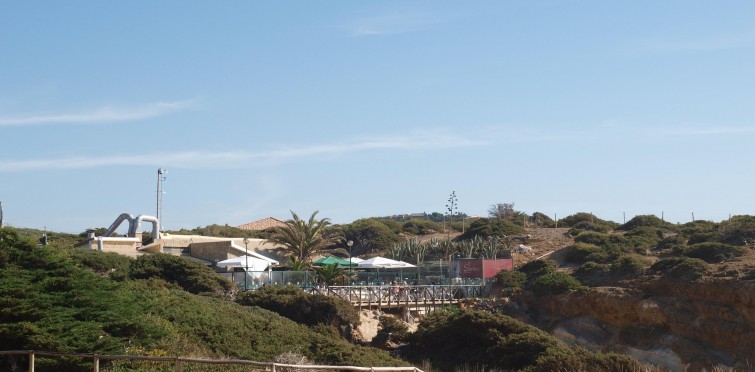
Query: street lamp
x: 350, y: 243
x: 246, y: 259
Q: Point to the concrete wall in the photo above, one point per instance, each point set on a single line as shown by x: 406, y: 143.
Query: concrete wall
x: 212, y: 251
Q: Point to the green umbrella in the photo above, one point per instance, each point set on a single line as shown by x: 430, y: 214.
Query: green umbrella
x: 333, y: 260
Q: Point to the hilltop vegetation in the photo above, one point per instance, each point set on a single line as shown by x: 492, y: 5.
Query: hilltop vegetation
x: 53, y: 301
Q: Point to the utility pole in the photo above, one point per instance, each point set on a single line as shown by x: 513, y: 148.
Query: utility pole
x: 160, y: 179
x: 1, y: 215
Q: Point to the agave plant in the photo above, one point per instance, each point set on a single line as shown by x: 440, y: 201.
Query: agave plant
x: 491, y: 248
x: 397, y: 251
x: 417, y: 250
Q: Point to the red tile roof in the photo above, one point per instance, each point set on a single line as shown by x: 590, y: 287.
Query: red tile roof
x: 263, y: 224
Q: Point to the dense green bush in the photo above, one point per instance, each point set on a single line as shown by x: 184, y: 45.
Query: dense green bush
x: 421, y: 227
x: 646, y: 221
x: 629, y: 265
x: 674, y: 243
x: 510, y: 279
x: 737, y: 230
x: 190, y: 275
x: 592, y: 237
x: 699, y: 231
x: 574, y: 219
x: 487, y: 227
x: 684, y: 268
x: 223, y: 231
x: 397, y: 329
x: 713, y: 252
x: 592, y: 273
x: 536, y: 268
x: 304, y: 308
x: 588, y: 226
x: 495, y: 341
x: 554, y: 283
x: 542, y: 220
x: 579, y: 252
x: 369, y: 235
x: 49, y: 303
x: 113, y: 264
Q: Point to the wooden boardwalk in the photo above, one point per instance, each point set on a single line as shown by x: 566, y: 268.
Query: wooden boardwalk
x: 414, y: 297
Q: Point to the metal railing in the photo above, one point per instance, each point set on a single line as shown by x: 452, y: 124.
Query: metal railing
x: 406, y: 296
x: 178, y: 362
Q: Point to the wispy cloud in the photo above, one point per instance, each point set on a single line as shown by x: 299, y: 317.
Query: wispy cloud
x: 245, y: 159
x: 392, y: 24
x: 106, y: 114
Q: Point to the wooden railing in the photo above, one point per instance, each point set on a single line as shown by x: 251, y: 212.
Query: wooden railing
x: 400, y: 296
x: 178, y: 362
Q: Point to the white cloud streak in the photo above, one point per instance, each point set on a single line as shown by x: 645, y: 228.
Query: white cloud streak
x: 243, y: 159
x: 106, y: 114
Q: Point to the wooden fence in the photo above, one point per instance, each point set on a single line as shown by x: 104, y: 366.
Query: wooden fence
x: 178, y: 362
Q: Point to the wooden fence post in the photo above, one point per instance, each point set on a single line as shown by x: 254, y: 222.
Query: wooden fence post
x: 31, y: 361
x: 96, y: 363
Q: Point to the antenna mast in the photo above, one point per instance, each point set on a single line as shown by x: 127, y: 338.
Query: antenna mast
x: 160, y: 179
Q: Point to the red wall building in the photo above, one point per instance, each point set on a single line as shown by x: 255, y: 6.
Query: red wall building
x: 476, y: 268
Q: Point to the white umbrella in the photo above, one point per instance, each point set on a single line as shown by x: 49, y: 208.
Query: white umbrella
x: 384, y: 263
x: 254, y: 264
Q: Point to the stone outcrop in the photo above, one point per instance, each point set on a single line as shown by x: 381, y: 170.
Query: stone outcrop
x: 694, y: 325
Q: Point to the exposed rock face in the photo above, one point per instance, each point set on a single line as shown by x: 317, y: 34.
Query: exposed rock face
x: 694, y: 325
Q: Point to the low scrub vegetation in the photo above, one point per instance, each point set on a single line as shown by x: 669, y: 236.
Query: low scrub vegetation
x: 498, y: 342
x: 713, y: 252
x: 304, y: 308
x: 52, y: 302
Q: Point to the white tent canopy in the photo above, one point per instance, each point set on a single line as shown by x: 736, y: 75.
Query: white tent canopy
x: 355, y: 259
x: 384, y: 263
x: 254, y: 254
x: 253, y: 263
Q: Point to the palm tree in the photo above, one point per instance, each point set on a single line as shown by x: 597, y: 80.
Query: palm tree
x: 303, y: 239
x: 330, y: 274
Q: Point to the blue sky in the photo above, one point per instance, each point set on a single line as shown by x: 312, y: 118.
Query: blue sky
x: 362, y: 109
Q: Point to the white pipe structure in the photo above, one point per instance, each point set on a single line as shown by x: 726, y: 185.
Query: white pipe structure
x: 134, y: 225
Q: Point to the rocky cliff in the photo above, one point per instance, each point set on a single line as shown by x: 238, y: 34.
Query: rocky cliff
x: 678, y: 325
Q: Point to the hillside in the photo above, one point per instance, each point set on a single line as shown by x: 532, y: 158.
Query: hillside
x: 52, y: 301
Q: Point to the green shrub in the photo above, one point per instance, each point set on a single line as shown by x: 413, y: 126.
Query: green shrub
x: 537, y: 268
x: 579, y: 252
x: 699, y: 231
x: 737, y: 230
x: 646, y: 221
x: 580, y: 359
x: 629, y: 266
x: 714, y: 252
x: 190, y: 275
x: 495, y: 341
x: 573, y: 220
x: 554, y: 283
x: 592, y: 272
x: 487, y: 227
x: 674, y: 243
x: 593, y: 237
x: 421, y: 227
x: 113, y: 264
x: 680, y: 268
x: 370, y: 235
x: 511, y: 279
x: 304, y: 308
x: 542, y: 220
x: 395, y: 327
x: 588, y: 226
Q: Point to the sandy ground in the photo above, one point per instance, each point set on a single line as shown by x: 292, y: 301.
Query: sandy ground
x: 370, y: 324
